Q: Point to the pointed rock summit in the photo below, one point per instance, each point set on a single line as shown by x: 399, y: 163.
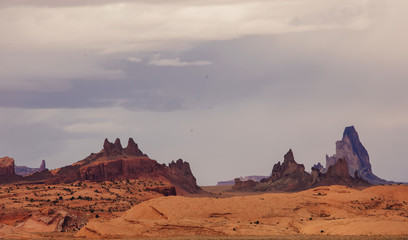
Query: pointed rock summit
x: 352, y: 150
x: 115, y: 149
x: 42, y: 166
x: 287, y: 168
x: 117, y: 144
x: 132, y: 149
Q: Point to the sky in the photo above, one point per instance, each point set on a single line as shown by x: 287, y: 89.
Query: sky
x: 227, y: 85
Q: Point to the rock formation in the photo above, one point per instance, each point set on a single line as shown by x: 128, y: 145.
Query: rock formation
x: 351, y: 149
x: 42, y: 166
x: 288, y: 176
x: 7, y: 166
x: 338, y: 174
x: 25, y: 171
x: 291, y: 176
x: 114, y: 162
x: 7, y: 172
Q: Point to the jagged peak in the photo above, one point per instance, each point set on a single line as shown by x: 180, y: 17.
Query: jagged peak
x: 289, y: 156
x: 133, y: 149
x: 107, y: 145
x: 117, y: 144
x: 131, y: 143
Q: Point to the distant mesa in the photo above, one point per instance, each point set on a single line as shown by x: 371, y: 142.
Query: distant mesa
x: 255, y: 178
x: 113, y: 162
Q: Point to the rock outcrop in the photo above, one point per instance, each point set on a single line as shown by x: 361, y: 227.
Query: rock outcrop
x: 351, y: 149
x: 338, y: 174
x: 25, y: 171
x: 6, y: 166
x: 291, y: 176
x: 7, y: 172
x: 288, y: 176
x: 42, y: 166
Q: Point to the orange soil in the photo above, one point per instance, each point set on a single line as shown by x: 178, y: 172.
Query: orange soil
x: 334, y: 210
x: 27, y: 209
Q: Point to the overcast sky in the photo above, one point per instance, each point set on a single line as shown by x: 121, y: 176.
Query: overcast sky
x: 227, y: 85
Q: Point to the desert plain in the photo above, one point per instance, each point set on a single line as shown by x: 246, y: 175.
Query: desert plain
x: 332, y: 212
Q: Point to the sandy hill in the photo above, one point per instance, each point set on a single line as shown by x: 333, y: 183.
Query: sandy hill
x: 337, y: 210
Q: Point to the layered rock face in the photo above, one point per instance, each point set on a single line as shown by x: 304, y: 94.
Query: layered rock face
x: 24, y: 171
x: 351, y: 149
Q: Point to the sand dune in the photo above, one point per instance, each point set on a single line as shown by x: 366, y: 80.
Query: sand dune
x: 337, y: 210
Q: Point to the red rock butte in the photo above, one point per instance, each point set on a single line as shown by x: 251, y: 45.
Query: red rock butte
x: 113, y: 162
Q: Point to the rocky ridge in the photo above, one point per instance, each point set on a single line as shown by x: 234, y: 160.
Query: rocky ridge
x: 114, y: 162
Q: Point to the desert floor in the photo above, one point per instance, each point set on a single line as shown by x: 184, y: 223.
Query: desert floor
x: 334, y: 210
x: 125, y: 210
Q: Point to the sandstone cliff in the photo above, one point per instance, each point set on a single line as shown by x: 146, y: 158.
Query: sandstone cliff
x: 351, y: 149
